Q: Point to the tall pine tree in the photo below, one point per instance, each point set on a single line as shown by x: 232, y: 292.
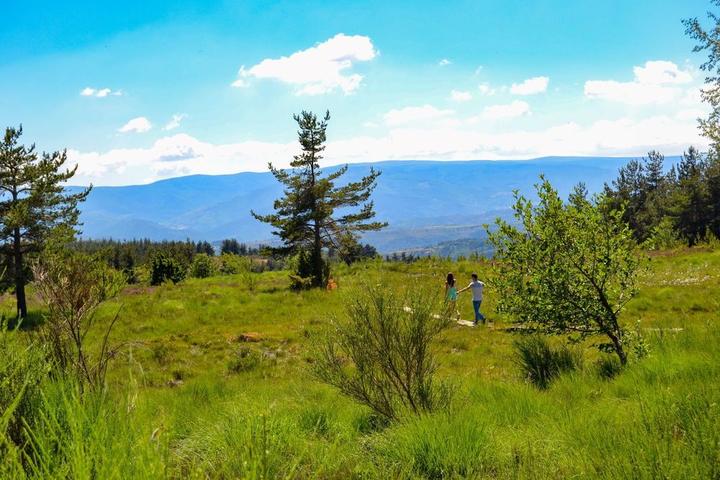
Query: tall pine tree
x: 314, y: 213
x: 33, y: 205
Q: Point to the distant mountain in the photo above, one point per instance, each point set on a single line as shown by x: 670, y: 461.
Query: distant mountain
x: 425, y: 202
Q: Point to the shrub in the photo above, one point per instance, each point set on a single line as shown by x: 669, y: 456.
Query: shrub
x: 541, y: 363
x: 244, y: 360
x: 202, y: 266
x: 166, y: 268
x: 381, y: 354
x: 73, y: 285
x: 230, y: 264
x: 663, y: 236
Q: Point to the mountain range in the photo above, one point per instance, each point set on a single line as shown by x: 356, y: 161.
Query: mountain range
x: 424, y: 202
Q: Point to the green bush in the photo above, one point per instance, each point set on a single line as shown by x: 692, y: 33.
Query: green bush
x: 381, y: 355
x: 229, y: 264
x: 244, y: 360
x: 541, y: 363
x: 166, y: 268
x: 202, y: 266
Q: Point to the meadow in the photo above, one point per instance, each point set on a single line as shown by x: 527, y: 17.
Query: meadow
x: 214, y: 380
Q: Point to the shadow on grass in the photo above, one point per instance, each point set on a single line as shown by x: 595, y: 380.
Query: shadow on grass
x: 33, y: 321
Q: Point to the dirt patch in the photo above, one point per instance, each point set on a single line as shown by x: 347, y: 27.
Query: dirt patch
x: 138, y: 290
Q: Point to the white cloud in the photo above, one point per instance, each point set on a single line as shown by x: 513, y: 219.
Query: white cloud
x: 137, y: 125
x: 403, y: 116
x: 654, y: 83
x: 531, y: 86
x: 460, y: 96
x: 182, y: 154
x: 661, y: 72
x: 99, y: 92
x: 317, y: 70
x: 516, y: 108
x: 444, y: 62
x: 175, y: 121
x: 486, y: 90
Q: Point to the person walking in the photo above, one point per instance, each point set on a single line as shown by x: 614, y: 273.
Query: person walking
x: 451, y: 293
x: 477, y: 296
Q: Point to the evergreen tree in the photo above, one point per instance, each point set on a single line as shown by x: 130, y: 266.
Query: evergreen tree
x: 230, y: 245
x: 692, y: 207
x: 33, y: 205
x: 205, y: 247
x: 305, y: 217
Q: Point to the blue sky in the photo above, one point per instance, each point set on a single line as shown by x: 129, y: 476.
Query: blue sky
x: 138, y: 91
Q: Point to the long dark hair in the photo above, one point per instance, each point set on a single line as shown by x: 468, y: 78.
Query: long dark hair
x: 450, y: 280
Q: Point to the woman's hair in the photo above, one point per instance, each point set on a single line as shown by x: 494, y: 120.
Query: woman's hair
x: 451, y: 279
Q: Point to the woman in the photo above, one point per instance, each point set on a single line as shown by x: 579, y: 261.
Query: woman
x: 451, y: 294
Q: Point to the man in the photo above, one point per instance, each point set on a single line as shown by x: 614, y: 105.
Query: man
x: 477, y: 293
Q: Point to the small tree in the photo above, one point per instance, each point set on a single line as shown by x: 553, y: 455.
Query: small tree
x: 566, y: 268
x: 166, y: 267
x: 33, y: 205
x: 230, y: 245
x: 381, y: 354
x: 202, y: 266
x: 73, y: 285
x: 305, y: 218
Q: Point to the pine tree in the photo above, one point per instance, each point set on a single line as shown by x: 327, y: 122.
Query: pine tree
x: 305, y: 217
x: 33, y: 205
x: 692, y: 207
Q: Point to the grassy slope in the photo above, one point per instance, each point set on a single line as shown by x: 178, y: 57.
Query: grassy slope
x: 659, y: 418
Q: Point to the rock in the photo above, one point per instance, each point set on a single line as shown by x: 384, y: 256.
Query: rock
x: 251, y: 337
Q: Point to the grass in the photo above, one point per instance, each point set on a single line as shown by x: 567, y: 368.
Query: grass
x: 213, y: 382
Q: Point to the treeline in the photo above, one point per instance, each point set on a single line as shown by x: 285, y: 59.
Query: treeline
x: 668, y: 207
x: 145, y: 260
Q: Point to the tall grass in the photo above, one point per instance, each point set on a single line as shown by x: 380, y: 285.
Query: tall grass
x: 541, y: 363
x: 657, y: 418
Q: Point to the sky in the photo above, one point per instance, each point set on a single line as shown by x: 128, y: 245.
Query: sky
x: 138, y: 91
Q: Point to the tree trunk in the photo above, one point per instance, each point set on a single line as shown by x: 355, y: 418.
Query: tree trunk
x: 19, y: 276
x: 317, y: 260
x: 617, y: 344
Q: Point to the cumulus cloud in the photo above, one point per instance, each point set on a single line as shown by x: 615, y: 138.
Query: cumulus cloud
x: 407, y: 115
x: 175, y: 121
x: 99, y: 92
x: 531, y: 86
x: 460, y: 96
x: 514, y: 109
x: 183, y: 154
x: 175, y: 155
x: 655, y: 83
x: 317, y: 70
x: 486, y: 90
x: 136, y: 125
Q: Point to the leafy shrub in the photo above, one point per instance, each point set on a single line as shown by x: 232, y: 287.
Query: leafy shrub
x: 202, y: 266
x: 302, y: 266
x: 381, y: 354
x: 166, y: 268
x: 245, y: 359
x: 663, y: 236
x: 73, y: 285
x: 229, y: 264
x: 541, y: 363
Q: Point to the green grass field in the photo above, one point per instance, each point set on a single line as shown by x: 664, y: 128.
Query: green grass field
x: 190, y: 397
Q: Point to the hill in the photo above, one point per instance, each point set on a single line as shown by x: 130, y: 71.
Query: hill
x: 214, y: 381
x: 425, y: 202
